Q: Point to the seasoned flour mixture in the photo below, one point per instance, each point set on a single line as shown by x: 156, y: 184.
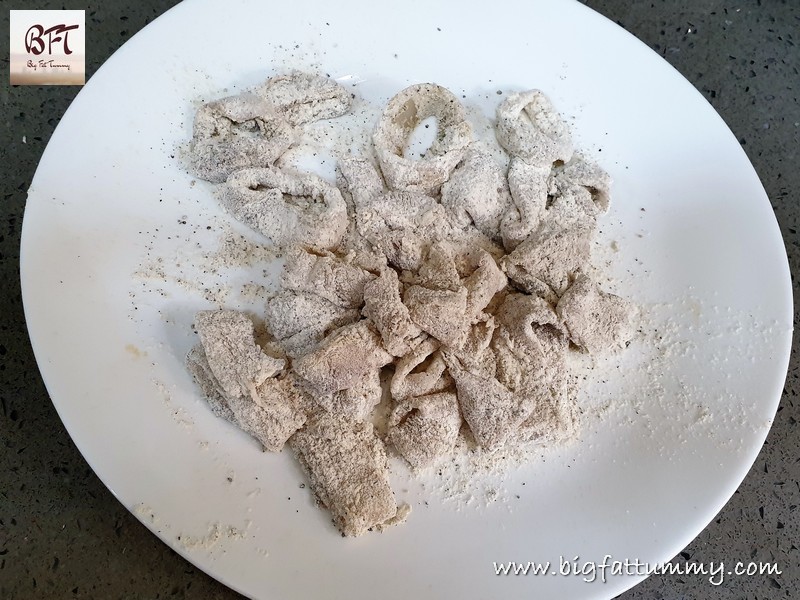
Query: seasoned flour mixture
x: 462, y: 283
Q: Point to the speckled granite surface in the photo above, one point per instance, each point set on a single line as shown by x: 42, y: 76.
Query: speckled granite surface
x: 62, y: 533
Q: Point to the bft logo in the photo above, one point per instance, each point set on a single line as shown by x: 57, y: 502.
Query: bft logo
x: 34, y: 38
x: 48, y: 47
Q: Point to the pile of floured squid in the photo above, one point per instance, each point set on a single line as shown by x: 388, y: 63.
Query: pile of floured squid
x: 467, y: 281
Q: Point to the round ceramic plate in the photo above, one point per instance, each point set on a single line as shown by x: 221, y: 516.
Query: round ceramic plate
x: 120, y: 247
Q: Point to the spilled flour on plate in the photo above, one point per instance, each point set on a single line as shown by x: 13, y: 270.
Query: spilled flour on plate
x: 207, y: 273
x: 215, y: 535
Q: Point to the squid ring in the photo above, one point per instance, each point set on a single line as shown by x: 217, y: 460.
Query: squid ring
x: 402, y: 114
x: 287, y: 208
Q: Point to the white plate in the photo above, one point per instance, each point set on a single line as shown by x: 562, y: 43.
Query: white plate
x: 688, y: 412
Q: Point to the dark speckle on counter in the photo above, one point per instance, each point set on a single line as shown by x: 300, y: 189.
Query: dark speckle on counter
x: 64, y: 535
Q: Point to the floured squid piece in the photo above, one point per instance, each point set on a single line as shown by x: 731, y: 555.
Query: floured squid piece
x: 425, y: 428
x: 357, y: 401
x: 302, y: 98
x: 347, y: 466
x: 529, y: 128
x: 528, y: 188
x: 383, y: 305
x: 325, y: 275
x: 595, y: 320
x: 287, y: 208
x: 477, y: 191
x: 255, y: 128
x: 420, y: 372
x: 300, y: 320
x: 342, y: 359
x: 546, y: 262
x: 241, y: 382
x: 234, y: 133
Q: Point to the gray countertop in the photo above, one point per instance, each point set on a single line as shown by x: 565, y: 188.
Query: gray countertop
x: 64, y: 535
